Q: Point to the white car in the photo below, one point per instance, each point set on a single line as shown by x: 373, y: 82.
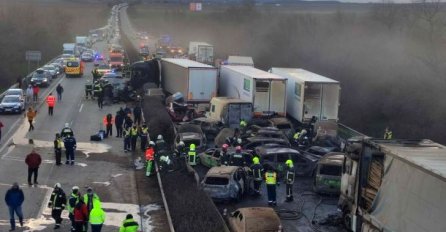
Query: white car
x: 87, y: 57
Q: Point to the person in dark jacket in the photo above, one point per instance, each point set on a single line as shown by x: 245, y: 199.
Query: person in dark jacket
x: 119, y: 121
x: 100, y: 99
x: 14, y: 199
x: 59, y: 90
x: 33, y: 160
x: 109, y: 124
x: 137, y: 115
x: 70, y: 146
x: 57, y: 203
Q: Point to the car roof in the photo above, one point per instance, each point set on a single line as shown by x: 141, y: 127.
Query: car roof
x: 221, y: 170
x: 189, y: 135
x: 268, y: 139
x: 277, y: 121
x: 260, y: 213
x: 14, y: 89
x: 275, y: 150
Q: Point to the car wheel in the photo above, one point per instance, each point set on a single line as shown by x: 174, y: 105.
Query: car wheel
x: 346, y: 218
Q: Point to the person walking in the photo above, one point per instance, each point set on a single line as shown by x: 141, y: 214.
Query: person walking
x: 119, y: 121
x: 19, y: 82
x: 108, y: 121
x: 257, y: 170
x: 70, y: 147
x: 51, y: 102
x: 271, y: 182
x: 57, y: 203
x: 150, y: 153
x: 31, y: 114
x: 97, y: 217
x: 14, y: 199
x: 58, y: 149
x: 1, y: 126
x: 100, y: 99
x: 144, y: 135
x: 129, y: 224
x: 59, y: 90
x: 137, y: 115
x: 72, y: 202
x: 133, y: 137
x: 29, y: 94
x: 90, y: 198
x: 289, y: 180
x: 33, y: 160
x: 80, y: 215
x: 36, y: 91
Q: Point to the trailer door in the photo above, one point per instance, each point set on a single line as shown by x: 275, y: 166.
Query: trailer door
x: 202, y: 84
x: 312, y: 101
x: 330, y: 102
x: 261, y: 99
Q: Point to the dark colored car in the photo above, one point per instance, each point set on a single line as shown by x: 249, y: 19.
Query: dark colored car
x: 41, y: 77
x: 304, y: 163
x: 321, y: 151
x: 209, y: 126
x: 189, y: 133
x: 12, y: 104
x: 253, y: 142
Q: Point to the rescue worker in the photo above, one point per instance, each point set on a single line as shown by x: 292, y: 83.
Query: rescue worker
x: 96, y: 217
x: 51, y: 102
x: 257, y: 170
x: 164, y: 162
x: 144, y: 134
x: 88, y: 90
x: 133, y: 137
x: 388, y: 133
x: 100, y: 95
x: 57, y: 204
x: 129, y: 224
x: 108, y: 121
x: 89, y: 198
x: 97, y: 88
x: 160, y: 144
x: 224, y: 155
x: 150, y: 153
x: 70, y: 147
x: 72, y: 202
x: 119, y: 121
x: 243, y: 125
x: 128, y: 122
x: 126, y: 134
x: 180, y: 149
x: 31, y: 114
x: 96, y: 74
x: 137, y: 115
x: 58, y: 149
x: 289, y: 180
x: 192, y: 155
x: 271, y: 182
x: 236, y: 159
x: 80, y: 215
x: 66, y: 131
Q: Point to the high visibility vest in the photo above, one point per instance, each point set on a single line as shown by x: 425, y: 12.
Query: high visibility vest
x: 59, y: 143
x: 97, y: 216
x: 296, y: 135
x: 129, y: 225
x: 144, y: 131
x: 133, y: 132
x: 150, y: 152
x: 270, y: 177
x: 104, y: 120
x: 51, y: 100
x: 289, y: 176
x: 243, y: 123
x: 388, y: 135
x: 69, y: 207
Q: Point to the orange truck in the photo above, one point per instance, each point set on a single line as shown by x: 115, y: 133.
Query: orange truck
x: 116, y: 60
x: 74, y: 68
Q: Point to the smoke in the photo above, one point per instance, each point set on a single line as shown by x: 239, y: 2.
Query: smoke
x: 389, y: 58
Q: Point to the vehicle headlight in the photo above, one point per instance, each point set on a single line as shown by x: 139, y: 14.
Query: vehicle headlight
x: 45, y: 80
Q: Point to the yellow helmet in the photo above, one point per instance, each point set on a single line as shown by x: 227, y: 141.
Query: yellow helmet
x: 289, y: 163
x: 192, y: 147
x: 255, y: 160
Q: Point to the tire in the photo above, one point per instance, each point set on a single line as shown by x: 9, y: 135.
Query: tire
x: 346, y: 218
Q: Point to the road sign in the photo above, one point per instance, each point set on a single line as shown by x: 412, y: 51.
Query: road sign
x: 33, y: 55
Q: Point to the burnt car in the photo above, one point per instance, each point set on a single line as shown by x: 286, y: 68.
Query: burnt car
x: 253, y: 142
x: 271, y: 132
x: 210, y: 127
x: 189, y: 133
x: 225, y: 183
x: 254, y: 219
x: 304, y: 162
x: 284, y: 125
x: 327, y: 177
x: 213, y: 157
x: 321, y: 151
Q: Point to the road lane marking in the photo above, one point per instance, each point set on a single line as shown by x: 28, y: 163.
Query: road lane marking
x: 80, y: 109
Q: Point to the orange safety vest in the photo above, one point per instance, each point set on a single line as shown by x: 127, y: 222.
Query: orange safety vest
x: 149, y: 153
x: 104, y: 120
x: 51, y: 100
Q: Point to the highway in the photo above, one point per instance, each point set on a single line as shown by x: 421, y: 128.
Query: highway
x: 101, y: 165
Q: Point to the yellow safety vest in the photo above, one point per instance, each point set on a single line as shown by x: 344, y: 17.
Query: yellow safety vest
x: 59, y: 143
x: 271, y: 178
x: 133, y: 132
x: 145, y: 131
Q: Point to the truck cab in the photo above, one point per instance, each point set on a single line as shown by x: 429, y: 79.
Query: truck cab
x: 230, y: 111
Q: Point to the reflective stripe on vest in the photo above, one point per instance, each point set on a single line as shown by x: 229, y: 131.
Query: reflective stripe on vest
x: 270, y: 178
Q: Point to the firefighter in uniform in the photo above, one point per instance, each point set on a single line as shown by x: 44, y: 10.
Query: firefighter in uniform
x: 133, y: 137
x: 160, y: 144
x: 97, y: 89
x: 224, y: 154
x: 289, y: 180
x: 388, y: 133
x: 257, y: 170
x: 271, y: 182
x: 66, y: 131
x: 57, y: 204
x: 243, y: 125
x: 58, y: 149
x: 192, y: 155
x: 126, y: 134
x: 237, y: 157
x: 72, y: 202
x: 144, y: 134
x: 150, y: 157
x: 88, y: 90
x: 96, y: 74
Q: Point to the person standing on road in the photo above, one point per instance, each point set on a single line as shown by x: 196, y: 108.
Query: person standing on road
x: 126, y: 134
x: 144, y: 135
x: 59, y: 90
x: 257, y: 170
x: 72, y: 202
x: 129, y: 224
x: 289, y: 180
x: 29, y: 94
x: 51, y: 102
x: 388, y: 133
x: 271, y: 182
x: 108, y: 121
x: 100, y: 99
x: 80, y: 215
x: 134, y: 137
x: 192, y: 155
x: 97, y: 217
x: 58, y: 149
x: 1, y: 126
x: 70, y: 147
x: 57, y: 203
x: 137, y: 115
x: 119, y: 120
x: 31, y: 114
x: 36, y: 91
x: 150, y: 153
x: 33, y: 160
x: 66, y: 131
x: 90, y: 198
x: 128, y: 122
x: 14, y: 199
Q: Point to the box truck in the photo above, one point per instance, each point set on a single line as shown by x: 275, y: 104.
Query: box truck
x: 69, y: 48
x: 230, y: 111
x: 196, y: 81
x: 266, y: 91
x: 81, y: 41
x: 394, y: 185
x: 310, y: 94
x: 201, y: 52
x: 239, y: 60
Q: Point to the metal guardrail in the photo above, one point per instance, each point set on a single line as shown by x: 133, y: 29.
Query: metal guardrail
x: 346, y: 132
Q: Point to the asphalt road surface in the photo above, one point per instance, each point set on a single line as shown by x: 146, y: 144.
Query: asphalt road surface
x: 101, y: 165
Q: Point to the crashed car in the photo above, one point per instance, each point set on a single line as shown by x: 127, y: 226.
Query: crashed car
x: 210, y: 127
x: 321, y: 151
x: 253, y: 142
x: 213, y: 157
x: 254, y: 219
x: 189, y: 133
x: 327, y: 178
x: 284, y: 125
x: 271, y: 132
x: 225, y: 183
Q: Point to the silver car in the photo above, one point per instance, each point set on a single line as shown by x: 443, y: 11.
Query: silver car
x: 12, y: 104
x: 224, y: 183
